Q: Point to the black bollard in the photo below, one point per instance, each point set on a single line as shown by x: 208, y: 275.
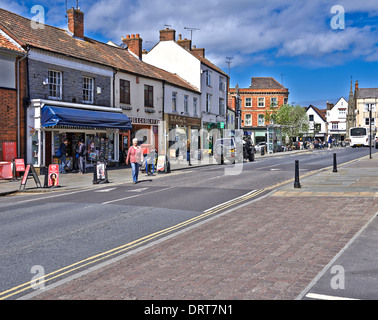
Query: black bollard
x: 334, y: 163
x: 297, y: 185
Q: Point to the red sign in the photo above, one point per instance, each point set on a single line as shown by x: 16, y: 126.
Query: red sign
x: 26, y: 173
x: 9, y: 151
x: 6, y: 170
x: 53, y: 178
x: 20, y: 165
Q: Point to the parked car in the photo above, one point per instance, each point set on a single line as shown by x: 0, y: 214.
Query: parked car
x: 260, y: 145
x: 231, y: 150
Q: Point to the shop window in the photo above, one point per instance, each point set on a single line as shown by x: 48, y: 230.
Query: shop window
x: 148, y: 96
x: 124, y: 91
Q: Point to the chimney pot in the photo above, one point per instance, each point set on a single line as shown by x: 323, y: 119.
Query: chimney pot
x: 128, y: 36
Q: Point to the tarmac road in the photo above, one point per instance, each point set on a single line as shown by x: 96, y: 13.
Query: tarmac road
x: 64, y: 229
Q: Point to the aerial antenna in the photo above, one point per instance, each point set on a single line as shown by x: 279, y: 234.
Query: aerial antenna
x: 65, y: 15
x: 167, y: 25
x: 282, y: 79
x: 191, y: 31
x: 229, y: 63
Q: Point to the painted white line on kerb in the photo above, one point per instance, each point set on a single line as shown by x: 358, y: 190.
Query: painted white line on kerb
x: 326, y: 297
x: 219, y: 205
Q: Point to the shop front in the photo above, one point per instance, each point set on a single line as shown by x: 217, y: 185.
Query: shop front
x: 146, y: 131
x: 183, y: 134
x: 50, y: 123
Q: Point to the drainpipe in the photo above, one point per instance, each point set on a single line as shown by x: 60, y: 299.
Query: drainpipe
x: 18, y: 106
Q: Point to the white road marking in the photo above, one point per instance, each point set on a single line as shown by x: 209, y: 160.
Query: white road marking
x: 326, y: 297
x: 106, y: 190
x: 137, y: 190
x: 137, y: 195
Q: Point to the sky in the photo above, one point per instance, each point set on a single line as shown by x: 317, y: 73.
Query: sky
x: 313, y: 47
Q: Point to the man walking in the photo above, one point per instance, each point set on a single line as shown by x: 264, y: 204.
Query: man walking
x: 81, y: 152
x: 63, y: 156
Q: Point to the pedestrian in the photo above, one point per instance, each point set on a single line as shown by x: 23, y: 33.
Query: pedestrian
x: 134, y: 157
x: 188, y: 151
x: 81, y: 155
x: 62, y: 155
x: 329, y: 142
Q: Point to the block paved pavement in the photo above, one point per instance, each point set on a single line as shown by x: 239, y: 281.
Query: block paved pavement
x: 269, y: 249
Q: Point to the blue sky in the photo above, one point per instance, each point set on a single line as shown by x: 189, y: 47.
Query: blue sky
x: 285, y: 39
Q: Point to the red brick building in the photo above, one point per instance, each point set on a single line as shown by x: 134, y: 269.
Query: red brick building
x: 255, y: 102
x: 12, y: 95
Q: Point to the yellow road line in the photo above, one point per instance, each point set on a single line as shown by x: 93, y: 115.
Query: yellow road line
x: 96, y: 258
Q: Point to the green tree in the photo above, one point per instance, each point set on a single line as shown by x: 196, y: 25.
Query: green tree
x: 293, y: 118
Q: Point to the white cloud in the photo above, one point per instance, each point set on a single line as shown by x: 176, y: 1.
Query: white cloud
x: 248, y: 30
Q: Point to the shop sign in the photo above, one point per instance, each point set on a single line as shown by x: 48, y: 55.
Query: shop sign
x: 30, y: 171
x: 9, y: 151
x: 53, y: 175
x: 19, y: 165
x: 161, y: 163
x: 100, y: 174
x: 183, y: 121
x: 135, y: 120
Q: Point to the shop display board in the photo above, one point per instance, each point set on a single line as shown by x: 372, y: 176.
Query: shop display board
x: 30, y: 172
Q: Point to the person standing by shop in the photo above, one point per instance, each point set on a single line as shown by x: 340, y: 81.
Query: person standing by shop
x: 134, y: 157
x: 81, y: 153
x: 63, y: 156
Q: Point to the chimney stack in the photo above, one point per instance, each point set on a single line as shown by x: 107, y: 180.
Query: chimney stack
x: 185, y: 43
x: 167, y: 35
x: 199, y: 51
x: 76, y: 22
x: 356, y: 86
x: 134, y: 44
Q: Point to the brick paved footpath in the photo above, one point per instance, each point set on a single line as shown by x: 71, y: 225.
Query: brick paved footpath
x: 269, y: 249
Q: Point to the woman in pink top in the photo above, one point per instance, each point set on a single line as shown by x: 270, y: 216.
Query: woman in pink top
x: 134, y: 156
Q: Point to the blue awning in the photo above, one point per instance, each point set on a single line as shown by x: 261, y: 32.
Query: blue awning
x: 60, y: 116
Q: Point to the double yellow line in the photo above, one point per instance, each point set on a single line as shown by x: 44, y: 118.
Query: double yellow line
x: 110, y: 253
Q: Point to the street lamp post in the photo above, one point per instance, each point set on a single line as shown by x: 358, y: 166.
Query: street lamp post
x: 370, y: 107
